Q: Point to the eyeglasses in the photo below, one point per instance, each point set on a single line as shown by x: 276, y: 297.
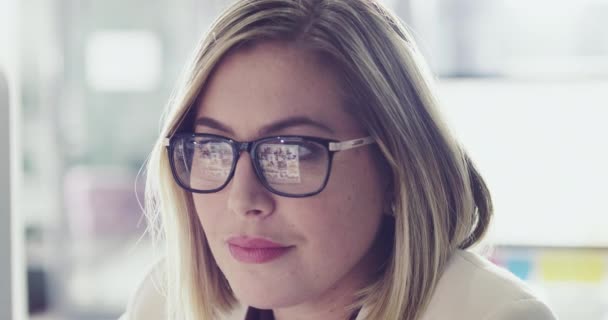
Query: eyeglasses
x: 290, y: 166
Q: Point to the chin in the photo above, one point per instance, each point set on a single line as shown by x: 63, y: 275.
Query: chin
x: 263, y: 297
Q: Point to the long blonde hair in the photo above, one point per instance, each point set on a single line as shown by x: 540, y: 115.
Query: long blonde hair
x: 440, y: 202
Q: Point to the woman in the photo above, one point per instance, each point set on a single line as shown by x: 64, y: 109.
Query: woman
x: 303, y: 173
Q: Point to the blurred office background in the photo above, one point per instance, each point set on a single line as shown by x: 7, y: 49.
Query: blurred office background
x: 524, y: 85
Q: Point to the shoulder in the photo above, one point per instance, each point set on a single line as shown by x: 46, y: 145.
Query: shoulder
x: 473, y: 288
x: 148, y: 301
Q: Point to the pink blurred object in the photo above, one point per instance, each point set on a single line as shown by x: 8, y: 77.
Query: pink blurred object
x: 101, y: 202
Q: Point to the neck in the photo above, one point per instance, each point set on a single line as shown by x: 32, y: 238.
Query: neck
x: 337, y: 311
x: 334, y: 302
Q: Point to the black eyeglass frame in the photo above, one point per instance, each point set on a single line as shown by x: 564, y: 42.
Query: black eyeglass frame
x: 332, y: 146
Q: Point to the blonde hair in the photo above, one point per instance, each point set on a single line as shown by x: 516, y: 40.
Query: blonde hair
x: 440, y: 203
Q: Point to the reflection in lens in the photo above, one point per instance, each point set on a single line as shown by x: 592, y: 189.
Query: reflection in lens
x: 211, y: 164
x: 293, y: 167
x: 202, y: 163
x: 280, y: 163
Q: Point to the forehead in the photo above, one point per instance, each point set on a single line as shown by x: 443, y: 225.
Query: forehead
x: 254, y: 87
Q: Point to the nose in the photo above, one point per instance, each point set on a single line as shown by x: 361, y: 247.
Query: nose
x: 247, y: 196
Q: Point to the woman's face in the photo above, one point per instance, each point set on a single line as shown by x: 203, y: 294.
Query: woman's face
x: 326, y: 238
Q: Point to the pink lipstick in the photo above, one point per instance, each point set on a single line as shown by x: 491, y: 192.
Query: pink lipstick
x: 255, y: 250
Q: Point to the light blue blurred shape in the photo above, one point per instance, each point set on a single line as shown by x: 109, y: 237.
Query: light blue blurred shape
x: 520, y: 266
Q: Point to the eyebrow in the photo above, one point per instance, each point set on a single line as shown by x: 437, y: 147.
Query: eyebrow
x: 213, y: 124
x: 294, y: 122
x: 269, y: 128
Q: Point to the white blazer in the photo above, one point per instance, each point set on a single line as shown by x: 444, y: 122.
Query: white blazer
x: 471, y: 288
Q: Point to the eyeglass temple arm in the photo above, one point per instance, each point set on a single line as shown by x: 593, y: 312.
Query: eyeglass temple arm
x: 349, y: 144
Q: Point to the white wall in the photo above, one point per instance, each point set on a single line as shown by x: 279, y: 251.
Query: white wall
x: 542, y: 147
x: 5, y: 206
x: 12, y: 266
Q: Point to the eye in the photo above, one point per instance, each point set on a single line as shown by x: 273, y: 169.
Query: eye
x: 309, y: 151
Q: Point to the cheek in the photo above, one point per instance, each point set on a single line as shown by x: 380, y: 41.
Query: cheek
x: 342, y: 235
x: 355, y: 188
x: 348, y: 212
x: 210, y: 211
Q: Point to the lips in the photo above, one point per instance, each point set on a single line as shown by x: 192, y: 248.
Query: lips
x: 256, y: 250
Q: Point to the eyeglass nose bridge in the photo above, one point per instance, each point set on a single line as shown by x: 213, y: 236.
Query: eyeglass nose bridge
x: 248, y: 146
x: 244, y: 146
